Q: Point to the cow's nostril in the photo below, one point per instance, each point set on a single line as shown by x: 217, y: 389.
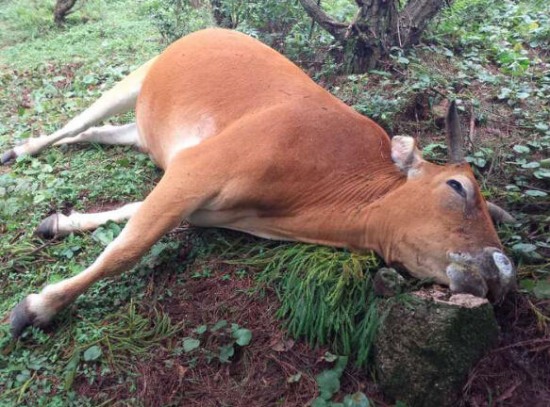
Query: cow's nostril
x: 489, y: 273
x: 463, y: 279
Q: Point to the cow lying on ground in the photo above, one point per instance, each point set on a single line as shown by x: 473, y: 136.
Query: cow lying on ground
x: 249, y: 142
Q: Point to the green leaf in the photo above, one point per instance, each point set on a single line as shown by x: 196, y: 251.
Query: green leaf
x: 542, y: 173
x: 201, y: 329
x: 92, y: 353
x: 480, y: 162
x: 103, y: 236
x: 542, y: 290
x: 319, y: 402
x: 329, y: 383
x: 504, y: 93
x: 524, y: 247
x: 242, y: 336
x: 541, y: 126
x: 341, y: 364
x: 380, y: 73
x: 190, y: 344
x: 527, y: 284
x: 226, y: 352
x: 477, y: 161
x: 535, y: 193
x: 38, y: 198
x: 532, y: 164
x: 521, y: 149
x: 23, y: 376
x: 219, y: 325
x: 356, y: 400
x: 70, y: 370
x: 403, y: 60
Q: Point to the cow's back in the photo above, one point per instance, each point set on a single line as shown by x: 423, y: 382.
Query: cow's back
x: 209, y: 81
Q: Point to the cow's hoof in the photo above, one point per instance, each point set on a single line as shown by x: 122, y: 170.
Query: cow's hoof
x: 49, y: 227
x: 8, y: 156
x: 20, y: 318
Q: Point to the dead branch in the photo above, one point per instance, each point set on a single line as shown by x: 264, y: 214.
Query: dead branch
x: 335, y: 28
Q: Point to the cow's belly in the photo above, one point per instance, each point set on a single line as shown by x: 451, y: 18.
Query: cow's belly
x: 246, y: 221
x: 163, y: 143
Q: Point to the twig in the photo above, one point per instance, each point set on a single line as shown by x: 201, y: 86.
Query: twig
x: 17, y: 236
x: 509, y: 393
x: 39, y: 248
x: 399, y: 33
x: 523, y: 343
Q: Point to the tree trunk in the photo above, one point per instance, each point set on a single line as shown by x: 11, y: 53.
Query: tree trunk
x: 221, y: 16
x: 372, y: 34
x: 377, y: 27
x: 61, y: 10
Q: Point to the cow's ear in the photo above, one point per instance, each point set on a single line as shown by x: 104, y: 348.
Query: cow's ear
x: 405, y: 154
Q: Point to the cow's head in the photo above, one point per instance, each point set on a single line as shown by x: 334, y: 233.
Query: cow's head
x: 438, y: 225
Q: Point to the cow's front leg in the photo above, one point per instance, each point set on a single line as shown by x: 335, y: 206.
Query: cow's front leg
x: 62, y: 225
x: 174, y: 198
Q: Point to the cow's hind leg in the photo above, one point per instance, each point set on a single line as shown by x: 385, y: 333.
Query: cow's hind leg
x: 119, y: 99
x: 62, y: 225
x: 115, y: 135
x: 178, y: 194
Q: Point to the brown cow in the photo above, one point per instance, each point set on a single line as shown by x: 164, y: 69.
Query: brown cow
x: 249, y: 142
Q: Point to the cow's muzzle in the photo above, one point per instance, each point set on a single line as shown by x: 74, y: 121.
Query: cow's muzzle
x: 489, y: 274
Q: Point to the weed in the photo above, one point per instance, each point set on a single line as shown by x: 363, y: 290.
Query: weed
x: 174, y: 18
x: 328, y: 383
x: 216, y: 342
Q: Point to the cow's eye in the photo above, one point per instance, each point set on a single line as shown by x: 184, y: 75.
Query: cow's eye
x: 457, y: 186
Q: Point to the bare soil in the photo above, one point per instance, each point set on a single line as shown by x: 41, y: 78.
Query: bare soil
x: 259, y: 374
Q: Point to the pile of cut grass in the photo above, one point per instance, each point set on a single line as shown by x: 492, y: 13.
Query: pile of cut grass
x: 326, y: 294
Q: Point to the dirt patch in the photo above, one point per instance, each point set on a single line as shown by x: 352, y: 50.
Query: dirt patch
x: 264, y: 373
x: 517, y: 371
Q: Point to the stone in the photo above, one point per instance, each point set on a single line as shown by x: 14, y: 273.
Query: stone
x: 388, y: 282
x: 427, y: 343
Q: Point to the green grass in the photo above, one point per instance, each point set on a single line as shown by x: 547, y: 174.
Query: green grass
x: 326, y: 294
x: 105, y: 32
x: 47, y: 76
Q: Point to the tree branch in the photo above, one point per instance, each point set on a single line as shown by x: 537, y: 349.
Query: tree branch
x: 335, y: 28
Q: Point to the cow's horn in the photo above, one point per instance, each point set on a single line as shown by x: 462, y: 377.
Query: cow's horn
x: 455, y: 139
x: 498, y: 214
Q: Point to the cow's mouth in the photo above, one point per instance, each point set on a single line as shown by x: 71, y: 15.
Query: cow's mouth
x: 489, y: 274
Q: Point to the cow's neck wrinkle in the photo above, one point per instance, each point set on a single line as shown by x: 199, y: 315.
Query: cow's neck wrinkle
x: 338, y: 214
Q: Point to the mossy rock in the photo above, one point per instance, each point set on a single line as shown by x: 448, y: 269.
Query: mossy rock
x: 427, y: 344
